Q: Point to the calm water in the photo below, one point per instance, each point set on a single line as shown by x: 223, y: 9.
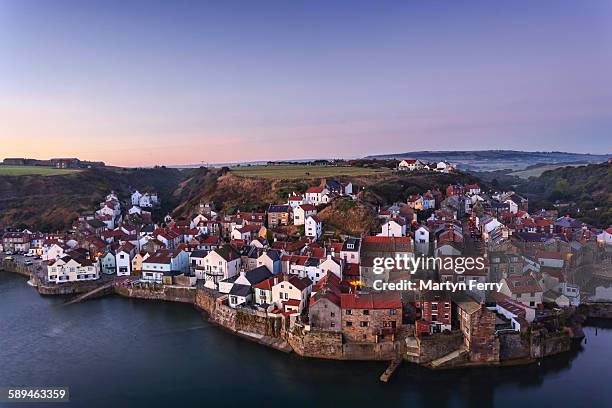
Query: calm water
x: 115, y: 352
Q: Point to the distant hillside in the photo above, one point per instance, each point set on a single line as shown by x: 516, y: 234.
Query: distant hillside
x: 491, y: 160
x: 230, y: 192
x: 53, y: 202
x: 588, y: 190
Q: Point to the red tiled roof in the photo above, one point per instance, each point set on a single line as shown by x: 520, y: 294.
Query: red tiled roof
x: 522, y: 284
x: 371, y: 301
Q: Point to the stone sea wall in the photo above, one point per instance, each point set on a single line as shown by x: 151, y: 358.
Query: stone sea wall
x: 10, y: 266
x: 425, y: 349
x: 163, y: 293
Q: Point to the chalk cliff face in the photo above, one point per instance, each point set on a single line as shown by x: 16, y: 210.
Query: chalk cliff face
x: 50, y: 203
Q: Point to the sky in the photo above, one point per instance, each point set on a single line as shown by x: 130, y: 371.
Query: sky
x: 143, y: 82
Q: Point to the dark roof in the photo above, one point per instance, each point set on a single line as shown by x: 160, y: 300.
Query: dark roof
x: 240, y: 290
x: 227, y: 252
x: 278, y: 208
x: 96, y: 224
x: 355, y: 241
x: 199, y: 253
x: 259, y: 274
x: 273, y: 254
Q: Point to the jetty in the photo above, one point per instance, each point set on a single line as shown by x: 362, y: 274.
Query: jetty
x: 394, y: 365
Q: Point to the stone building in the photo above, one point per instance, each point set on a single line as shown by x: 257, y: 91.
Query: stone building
x: 325, y: 312
x: 370, y: 318
x: 477, y: 324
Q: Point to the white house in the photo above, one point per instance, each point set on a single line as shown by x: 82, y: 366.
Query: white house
x: 302, y: 212
x: 313, y: 227
x: 551, y: 259
x: 51, y: 252
x: 246, y: 233
x: 523, y: 288
x: 512, y: 206
x: 291, y: 293
x: 272, y: 260
x: 443, y: 167
x: 330, y: 264
x: 196, y: 262
x: 136, y: 198
x: 155, y: 266
x: 605, y: 238
x: 220, y: 264
x: 294, y: 201
x: 123, y: 259
x: 350, y: 251
x: 410, y: 165
x: 421, y: 239
x: 317, y: 195
x: 395, y: 227
x: 72, y: 269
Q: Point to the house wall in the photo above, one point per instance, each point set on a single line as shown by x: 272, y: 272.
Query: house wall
x: 326, y: 315
x: 375, y: 320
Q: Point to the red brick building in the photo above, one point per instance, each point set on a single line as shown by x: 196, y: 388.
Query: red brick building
x: 435, y: 310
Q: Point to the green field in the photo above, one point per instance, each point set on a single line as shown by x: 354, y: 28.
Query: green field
x: 289, y: 171
x: 33, y: 171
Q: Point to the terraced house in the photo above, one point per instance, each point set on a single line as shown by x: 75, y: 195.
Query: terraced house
x: 73, y: 267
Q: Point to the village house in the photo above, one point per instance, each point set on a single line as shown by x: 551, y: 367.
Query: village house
x: 394, y: 227
x: 196, y: 263
x: 246, y: 233
x: 329, y: 265
x: 72, y: 267
x: 433, y: 309
x: 384, y: 247
x: 272, y: 260
x: 317, y: 195
x: 240, y: 289
x: 370, y: 318
x: 313, y: 227
x: 137, y: 261
x: 410, y: 165
x: 351, y: 249
x: 155, y: 267
x: 523, y: 288
x: 415, y: 202
x: 294, y: 201
x: 123, y: 259
x: 339, y: 188
x: 16, y: 242
x: 108, y: 263
x: 477, y: 324
x: 219, y: 264
x: 290, y: 293
x: 324, y: 310
x: 302, y: 212
x: 278, y: 215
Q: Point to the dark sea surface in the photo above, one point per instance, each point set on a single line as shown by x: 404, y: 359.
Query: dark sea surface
x: 116, y: 352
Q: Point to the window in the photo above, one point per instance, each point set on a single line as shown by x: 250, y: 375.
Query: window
x: 332, y: 324
x: 349, y: 312
x: 363, y: 323
x: 366, y: 312
x: 392, y: 312
x: 349, y: 324
x: 332, y: 314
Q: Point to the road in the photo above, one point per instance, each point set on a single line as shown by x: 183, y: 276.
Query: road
x: 38, y: 265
